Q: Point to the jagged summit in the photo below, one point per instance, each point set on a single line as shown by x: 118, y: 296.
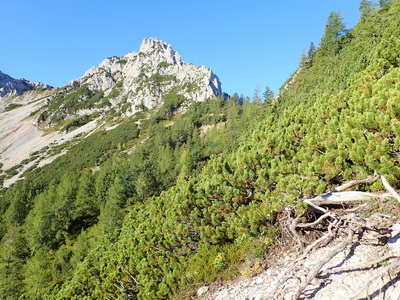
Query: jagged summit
x: 162, y: 48
x: 14, y: 87
x: 146, y: 76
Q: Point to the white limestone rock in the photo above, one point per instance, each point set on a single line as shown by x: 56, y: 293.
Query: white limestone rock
x: 394, y: 240
x: 10, y: 87
x: 146, y: 76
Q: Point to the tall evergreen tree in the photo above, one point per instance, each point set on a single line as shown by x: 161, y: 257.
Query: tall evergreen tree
x: 334, y: 30
x: 383, y: 2
x: 366, y: 8
x: 112, y: 213
x: 311, y: 50
x: 268, y: 94
x: 256, y: 96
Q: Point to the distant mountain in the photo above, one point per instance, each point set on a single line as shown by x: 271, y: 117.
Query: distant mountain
x: 153, y: 77
x: 14, y: 87
x: 148, y: 74
x: 132, y: 83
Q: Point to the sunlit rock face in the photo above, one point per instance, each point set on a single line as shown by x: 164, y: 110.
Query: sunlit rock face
x: 14, y: 87
x: 146, y: 76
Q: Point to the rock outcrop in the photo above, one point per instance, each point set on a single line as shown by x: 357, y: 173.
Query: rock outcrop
x: 143, y: 78
x: 14, y: 87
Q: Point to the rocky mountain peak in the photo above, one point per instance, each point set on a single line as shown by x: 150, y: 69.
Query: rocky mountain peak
x: 145, y: 77
x: 162, y: 49
x: 14, y: 87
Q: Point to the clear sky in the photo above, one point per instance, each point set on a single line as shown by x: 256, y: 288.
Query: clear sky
x: 247, y: 43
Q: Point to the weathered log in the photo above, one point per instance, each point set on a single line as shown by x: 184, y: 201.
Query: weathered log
x: 343, y: 198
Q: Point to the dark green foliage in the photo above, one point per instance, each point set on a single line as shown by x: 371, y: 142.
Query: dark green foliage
x: 78, y: 122
x: 12, y: 106
x: 63, y: 104
x: 268, y: 94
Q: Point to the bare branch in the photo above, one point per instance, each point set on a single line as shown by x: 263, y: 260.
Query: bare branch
x: 391, y: 190
x: 356, y: 182
x: 316, y: 222
x: 384, y: 271
x: 317, y: 267
x: 342, y: 198
x: 357, y: 267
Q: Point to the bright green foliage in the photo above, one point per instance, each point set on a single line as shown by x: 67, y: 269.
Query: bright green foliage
x: 334, y: 30
x: 366, y: 8
x: 200, y: 194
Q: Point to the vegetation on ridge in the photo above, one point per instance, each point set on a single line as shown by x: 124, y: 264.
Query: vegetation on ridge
x: 186, y: 208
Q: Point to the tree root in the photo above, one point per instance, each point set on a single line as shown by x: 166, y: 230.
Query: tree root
x: 297, y: 277
x: 392, y: 270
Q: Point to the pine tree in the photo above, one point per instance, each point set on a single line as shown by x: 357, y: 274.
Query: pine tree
x: 268, y: 94
x: 383, y: 2
x: 13, y: 252
x: 311, y: 51
x: 334, y: 30
x: 256, y: 96
x: 112, y: 213
x: 366, y: 8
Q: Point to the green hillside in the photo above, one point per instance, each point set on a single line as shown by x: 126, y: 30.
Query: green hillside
x: 157, y: 208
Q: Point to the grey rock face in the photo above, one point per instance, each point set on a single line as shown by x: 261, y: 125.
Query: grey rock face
x: 15, y: 87
x: 146, y: 76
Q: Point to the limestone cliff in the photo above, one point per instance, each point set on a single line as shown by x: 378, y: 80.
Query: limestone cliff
x: 14, y: 87
x: 143, y: 78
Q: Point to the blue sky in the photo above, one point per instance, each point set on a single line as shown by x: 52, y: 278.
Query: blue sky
x: 247, y: 43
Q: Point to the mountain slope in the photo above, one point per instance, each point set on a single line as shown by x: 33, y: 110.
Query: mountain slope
x: 164, y: 210
x: 14, y: 87
x: 337, y: 121
x: 119, y: 87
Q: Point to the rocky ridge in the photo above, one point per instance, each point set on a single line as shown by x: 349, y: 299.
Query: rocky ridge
x: 143, y: 78
x: 10, y: 87
x: 126, y: 85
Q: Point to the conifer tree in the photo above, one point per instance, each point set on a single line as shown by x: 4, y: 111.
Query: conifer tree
x: 311, y: 51
x: 112, y: 213
x: 268, y: 94
x: 13, y: 252
x: 256, y: 96
x: 334, y: 30
x: 383, y: 2
x: 366, y: 8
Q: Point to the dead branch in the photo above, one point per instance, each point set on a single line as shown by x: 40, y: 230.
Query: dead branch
x: 391, y: 190
x: 343, y: 198
x: 318, y: 266
x: 302, y: 274
x: 363, y: 266
x: 316, y: 222
x: 356, y: 182
x: 297, y: 265
x: 381, y: 274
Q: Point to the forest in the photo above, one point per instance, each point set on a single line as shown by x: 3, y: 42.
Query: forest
x: 190, y: 193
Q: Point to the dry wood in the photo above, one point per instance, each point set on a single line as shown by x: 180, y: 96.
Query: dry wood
x: 373, y: 264
x: 391, y: 190
x: 344, y: 198
x: 395, y: 267
x: 322, y: 262
x: 300, y: 274
x: 356, y: 182
x: 292, y: 271
x: 316, y: 222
